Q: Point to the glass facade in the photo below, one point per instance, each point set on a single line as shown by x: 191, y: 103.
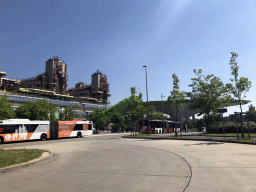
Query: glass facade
x: 21, y: 99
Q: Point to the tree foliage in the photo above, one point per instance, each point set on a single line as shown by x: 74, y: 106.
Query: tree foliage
x: 135, y: 109
x: 68, y: 113
x: 40, y: 110
x: 25, y: 110
x: 158, y: 115
x: 98, y: 118
x: 153, y: 114
x: 251, y: 114
x: 117, y: 119
x: 240, y: 86
x: 128, y: 122
x: 208, y: 94
x: 6, y: 112
x: 177, y: 97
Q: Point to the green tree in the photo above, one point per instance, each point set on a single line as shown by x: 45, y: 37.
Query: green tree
x: 214, y: 119
x: 117, y: 119
x: 68, y: 113
x: 98, y: 118
x: 251, y: 114
x: 43, y: 110
x: 140, y: 111
x: 208, y: 94
x: 158, y: 115
x: 128, y: 122
x: 177, y: 98
x: 40, y: 110
x: 239, y: 87
x: 6, y: 112
x: 25, y: 110
x: 78, y: 116
x: 151, y: 111
x: 135, y: 111
x: 189, y: 123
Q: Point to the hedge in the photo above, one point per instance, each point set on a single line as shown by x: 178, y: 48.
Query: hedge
x: 231, y: 128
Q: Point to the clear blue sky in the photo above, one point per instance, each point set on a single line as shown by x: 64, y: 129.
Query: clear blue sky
x: 118, y: 37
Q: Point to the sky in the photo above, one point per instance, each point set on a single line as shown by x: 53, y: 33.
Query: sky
x: 119, y: 37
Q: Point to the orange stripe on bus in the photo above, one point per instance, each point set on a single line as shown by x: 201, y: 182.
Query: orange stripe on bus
x: 48, y: 134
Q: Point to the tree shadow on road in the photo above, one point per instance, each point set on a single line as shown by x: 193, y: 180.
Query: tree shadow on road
x: 209, y: 143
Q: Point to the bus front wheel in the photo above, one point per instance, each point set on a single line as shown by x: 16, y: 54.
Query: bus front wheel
x: 43, y: 137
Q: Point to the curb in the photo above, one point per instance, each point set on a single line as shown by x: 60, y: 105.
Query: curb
x: 193, y: 139
x: 50, y: 156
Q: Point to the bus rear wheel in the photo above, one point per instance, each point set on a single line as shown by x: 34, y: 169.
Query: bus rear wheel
x: 79, y: 134
x: 43, y: 137
x: 1, y: 140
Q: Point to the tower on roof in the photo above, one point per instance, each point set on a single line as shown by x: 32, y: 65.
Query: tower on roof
x: 56, y: 72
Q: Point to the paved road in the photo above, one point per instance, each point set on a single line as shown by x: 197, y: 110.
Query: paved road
x: 108, y: 162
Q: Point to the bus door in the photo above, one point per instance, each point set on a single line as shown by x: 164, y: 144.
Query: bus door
x: 54, y: 129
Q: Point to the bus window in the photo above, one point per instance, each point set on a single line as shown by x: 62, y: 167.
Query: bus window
x: 89, y: 126
x: 78, y: 127
x: 9, y: 128
x: 31, y: 127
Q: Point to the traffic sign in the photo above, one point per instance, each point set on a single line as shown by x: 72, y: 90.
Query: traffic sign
x: 222, y: 110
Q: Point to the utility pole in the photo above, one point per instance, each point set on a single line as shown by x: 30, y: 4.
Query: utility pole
x: 147, y: 96
x: 162, y: 112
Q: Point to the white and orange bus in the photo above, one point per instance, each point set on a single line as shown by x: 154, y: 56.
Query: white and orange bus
x: 24, y: 129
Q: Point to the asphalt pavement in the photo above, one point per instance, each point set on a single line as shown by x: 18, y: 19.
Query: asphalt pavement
x: 107, y: 162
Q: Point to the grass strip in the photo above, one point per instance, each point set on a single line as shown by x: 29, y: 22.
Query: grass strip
x: 16, y: 156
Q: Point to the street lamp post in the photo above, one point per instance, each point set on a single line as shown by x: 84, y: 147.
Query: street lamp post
x: 147, y: 96
x: 162, y: 112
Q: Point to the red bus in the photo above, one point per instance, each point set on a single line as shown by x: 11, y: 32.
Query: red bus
x: 170, y: 126
x: 24, y: 129
x: 157, y: 126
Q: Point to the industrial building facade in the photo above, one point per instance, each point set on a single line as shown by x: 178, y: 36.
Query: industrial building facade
x: 52, y: 84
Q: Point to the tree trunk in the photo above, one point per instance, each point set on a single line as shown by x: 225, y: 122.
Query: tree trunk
x: 207, y: 121
x: 237, y: 134
x: 176, y: 134
x: 241, y: 118
x: 132, y: 123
